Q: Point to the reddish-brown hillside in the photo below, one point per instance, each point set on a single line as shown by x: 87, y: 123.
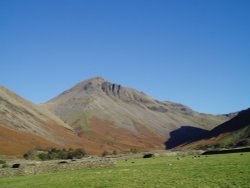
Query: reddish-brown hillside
x: 25, y: 126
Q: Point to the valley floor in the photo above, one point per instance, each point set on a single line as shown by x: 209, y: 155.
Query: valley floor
x: 224, y: 170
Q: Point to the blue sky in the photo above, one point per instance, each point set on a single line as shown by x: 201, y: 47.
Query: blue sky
x: 189, y: 51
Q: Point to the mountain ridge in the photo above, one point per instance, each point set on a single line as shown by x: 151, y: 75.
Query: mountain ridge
x: 124, y: 108
x: 96, y: 115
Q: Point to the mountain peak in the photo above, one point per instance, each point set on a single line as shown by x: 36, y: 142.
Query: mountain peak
x: 96, y: 79
x: 130, y: 117
x: 92, y: 81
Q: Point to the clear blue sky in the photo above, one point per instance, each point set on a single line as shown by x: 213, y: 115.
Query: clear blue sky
x: 196, y: 52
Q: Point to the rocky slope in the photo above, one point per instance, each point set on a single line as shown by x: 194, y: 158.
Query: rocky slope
x: 25, y: 126
x: 119, y: 118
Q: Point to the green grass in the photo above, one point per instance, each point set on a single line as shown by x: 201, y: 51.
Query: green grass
x: 229, y: 170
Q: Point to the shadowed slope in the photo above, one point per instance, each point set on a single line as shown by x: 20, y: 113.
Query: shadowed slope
x: 240, y: 121
x: 235, y: 132
x: 185, y: 135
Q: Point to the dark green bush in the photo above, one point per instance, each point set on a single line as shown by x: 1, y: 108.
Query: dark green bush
x: 79, y: 153
x: 2, y: 162
x: 43, y: 156
x: 5, y: 165
x: 62, y: 154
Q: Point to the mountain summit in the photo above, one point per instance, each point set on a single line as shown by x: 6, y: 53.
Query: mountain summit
x: 119, y: 118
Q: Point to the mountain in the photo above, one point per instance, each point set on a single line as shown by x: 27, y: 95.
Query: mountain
x: 25, y: 126
x: 233, y: 133
x: 120, y: 118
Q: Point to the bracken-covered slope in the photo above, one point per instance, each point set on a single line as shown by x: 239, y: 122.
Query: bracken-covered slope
x: 233, y: 133
x: 119, y: 118
x: 25, y: 126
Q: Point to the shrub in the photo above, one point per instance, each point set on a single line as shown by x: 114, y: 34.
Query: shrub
x: 32, y: 154
x: 5, y: 165
x: 105, y: 153
x: 134, y: 150
x: 2, y: 162
x: 114, y: 152
x: 43, y: 156
x: 29, y: 155
x: 62, y: 154
x: 79, y: 153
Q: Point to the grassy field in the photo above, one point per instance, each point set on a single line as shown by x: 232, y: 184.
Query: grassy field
x: 228, y: 170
